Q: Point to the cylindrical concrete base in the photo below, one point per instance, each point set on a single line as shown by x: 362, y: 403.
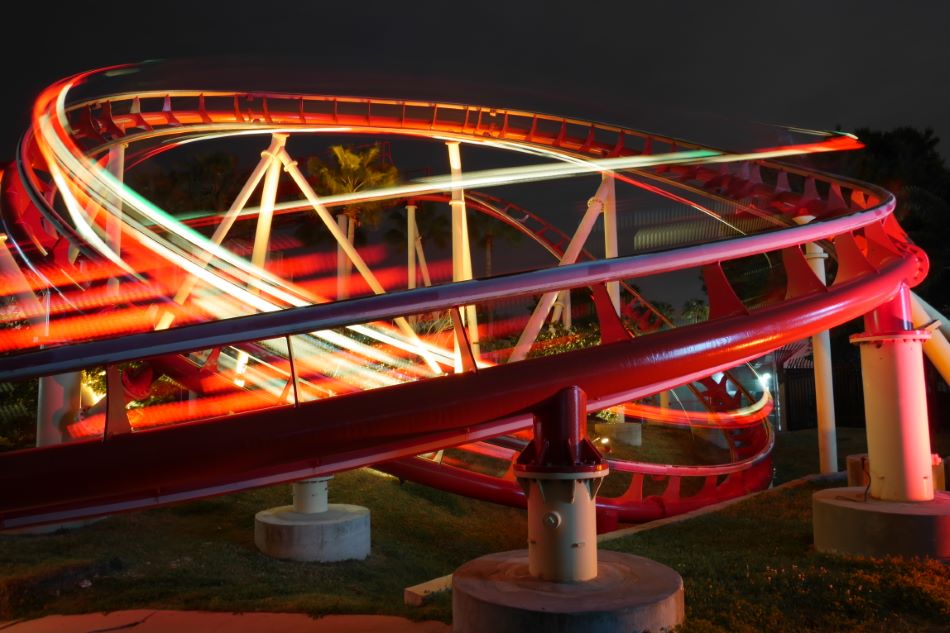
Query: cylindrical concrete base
x: 845, y: 523
x: 340, y: 533
x: 630, y: 593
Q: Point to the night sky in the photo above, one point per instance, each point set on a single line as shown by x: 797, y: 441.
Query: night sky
x: 715, y: 65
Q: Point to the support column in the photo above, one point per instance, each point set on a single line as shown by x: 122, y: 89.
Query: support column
x: 265, y: 217
x: 268, y: 156
x: 268, y: 200
x: 595, y: 206
x: 937, y: 348
x: 461, y: 249
x: 900, y: 513
x: 895, y: 403
x: 342, y: 269
x: 312, y: 529
x: 115, y: 165
x: 562, y: 309
x: 560, y: 472
x: 411, y: 236
x: 610, y: 234
x: 58, y: 403
x: 311, y: 495
x: 561, y: 583
x: 351, y: 253
x: 824, y: 380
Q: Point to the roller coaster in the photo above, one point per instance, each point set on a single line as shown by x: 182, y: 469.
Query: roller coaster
x: 281, y: 380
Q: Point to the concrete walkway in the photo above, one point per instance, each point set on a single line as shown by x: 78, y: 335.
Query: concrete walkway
x: 151, y: 621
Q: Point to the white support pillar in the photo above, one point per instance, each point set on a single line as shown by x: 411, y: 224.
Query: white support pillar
x: 59, y: 399
x: 561, y: 473
x: 610, y: 234
x: 412, y: 232
x: 899, y: 513
x: 311, y: 495
x: 334, y: 227
x: 58, y: 402
x: 341, y: 239
x: 824, y: 380
x: 267, y: 157
x: 937, y: 348
x: 268, y: 200
x: 115, y: 165
x: 342, y: 270
x: 595, y: 206
x: 934, y: 314
x: 265, y: 217
x: 423, y: 266
x: 895, y: 403
x: 563, y: 305
x: 561, y: 582
x: 461, y: 248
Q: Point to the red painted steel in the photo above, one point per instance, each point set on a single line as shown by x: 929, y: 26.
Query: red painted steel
x: 162, y: 465
x: 250, y: 449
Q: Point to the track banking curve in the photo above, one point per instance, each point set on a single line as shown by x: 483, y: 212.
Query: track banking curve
x: 59, y: 202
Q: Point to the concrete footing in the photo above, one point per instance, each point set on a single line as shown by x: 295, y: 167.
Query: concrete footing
x: 630, y: 593
x: 342, y: 532
x: 845, y: 522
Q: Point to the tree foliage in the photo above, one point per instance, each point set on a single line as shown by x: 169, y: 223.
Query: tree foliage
x: 207, y: 182
x: 433, y: 223
x: 484, y: 230
x: 17, y: 399
x: 906, y: 162
x: 350, y: 170
x: 695, y: 311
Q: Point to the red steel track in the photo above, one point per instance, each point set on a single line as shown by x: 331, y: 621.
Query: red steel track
x: 126, y: 470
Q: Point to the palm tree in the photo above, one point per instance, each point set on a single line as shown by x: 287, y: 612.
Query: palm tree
x: 352, y: 170
x: 695, y: 311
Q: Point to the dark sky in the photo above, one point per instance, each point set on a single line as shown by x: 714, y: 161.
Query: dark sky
x: 802, y: 63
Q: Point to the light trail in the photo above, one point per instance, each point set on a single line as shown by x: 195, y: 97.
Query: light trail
x: 348, y: 363
x: 97, y: 179
x: 553, y: 171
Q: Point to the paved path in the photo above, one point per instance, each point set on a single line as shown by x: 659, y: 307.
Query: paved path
x: 151, y: 621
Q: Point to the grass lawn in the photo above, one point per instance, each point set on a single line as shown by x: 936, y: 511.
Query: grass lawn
x: 750, y: 567
x: 201, y: 555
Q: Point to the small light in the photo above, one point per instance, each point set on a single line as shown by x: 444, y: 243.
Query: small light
x: 605, y: 440
x: 765, y: 379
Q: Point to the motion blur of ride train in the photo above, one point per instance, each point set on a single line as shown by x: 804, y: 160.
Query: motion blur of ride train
x: 184, y: 352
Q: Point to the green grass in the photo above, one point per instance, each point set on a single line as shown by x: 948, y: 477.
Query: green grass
x: 201, y: 555
x: 750, y: 567
x: 796, y: 452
